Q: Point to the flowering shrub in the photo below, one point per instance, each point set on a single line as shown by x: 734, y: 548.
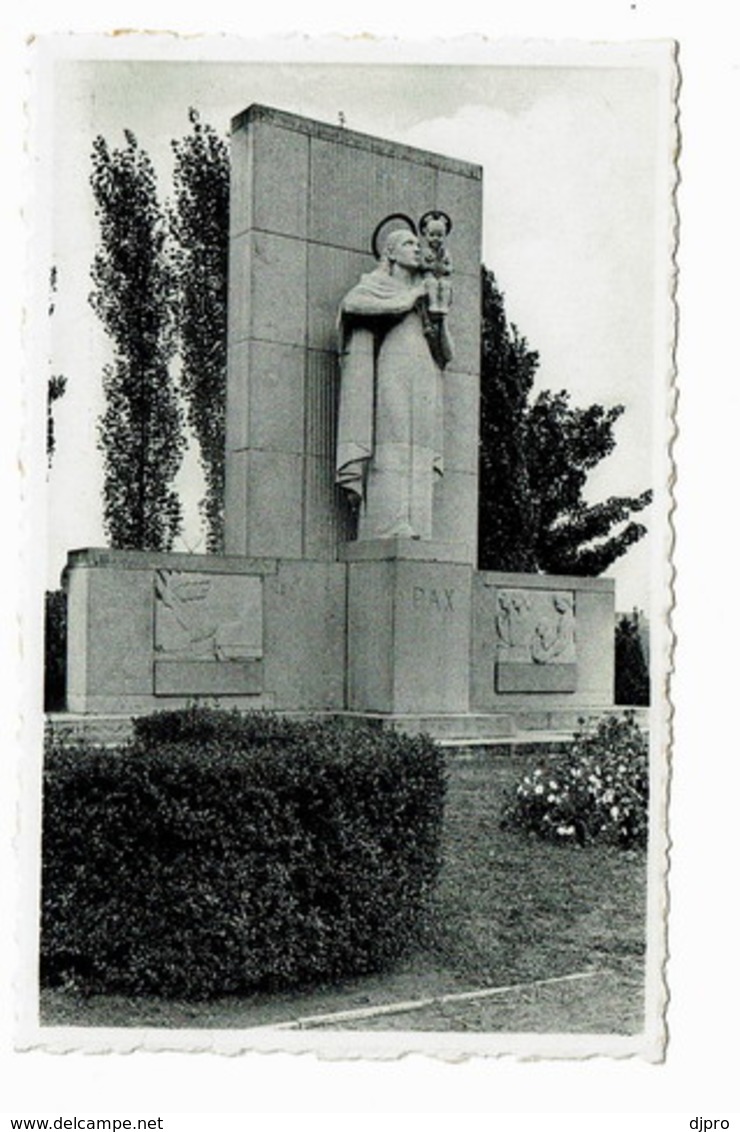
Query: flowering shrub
x: 596, y: 791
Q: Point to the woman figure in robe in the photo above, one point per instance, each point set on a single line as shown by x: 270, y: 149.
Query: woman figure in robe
x: 389, y: 442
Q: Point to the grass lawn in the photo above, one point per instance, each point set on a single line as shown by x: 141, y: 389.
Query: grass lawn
x: 510, y: 910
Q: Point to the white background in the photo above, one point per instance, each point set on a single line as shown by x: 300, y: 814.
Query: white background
x: 700, y: 1075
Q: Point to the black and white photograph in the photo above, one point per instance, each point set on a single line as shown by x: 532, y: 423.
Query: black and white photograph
x: 356, y: 457
x: 370, y: 676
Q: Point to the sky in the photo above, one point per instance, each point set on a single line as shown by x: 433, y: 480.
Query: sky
x: 577, y: 175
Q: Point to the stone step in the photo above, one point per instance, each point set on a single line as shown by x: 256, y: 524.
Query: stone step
x: 459, y: 730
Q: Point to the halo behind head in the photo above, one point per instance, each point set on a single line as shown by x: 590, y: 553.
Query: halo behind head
x: 391, y: 223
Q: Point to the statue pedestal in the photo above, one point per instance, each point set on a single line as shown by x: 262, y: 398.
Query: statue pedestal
x: 404, y: 549
x: 408, y: 627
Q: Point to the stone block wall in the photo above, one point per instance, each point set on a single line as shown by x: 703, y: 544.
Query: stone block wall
x: 149, y: 631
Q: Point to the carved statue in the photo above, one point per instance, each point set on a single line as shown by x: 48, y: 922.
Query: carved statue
x: 393, y: 348
x: 434, y: 228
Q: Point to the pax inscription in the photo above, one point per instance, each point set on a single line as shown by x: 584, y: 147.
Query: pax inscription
x: 439, y: 599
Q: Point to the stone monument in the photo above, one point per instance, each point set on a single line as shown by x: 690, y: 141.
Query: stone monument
x: 349, y: 584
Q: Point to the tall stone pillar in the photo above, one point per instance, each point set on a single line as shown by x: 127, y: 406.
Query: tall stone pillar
x: 306, y: 198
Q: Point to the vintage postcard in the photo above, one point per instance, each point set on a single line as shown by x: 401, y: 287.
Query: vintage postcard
x: 352, y: 462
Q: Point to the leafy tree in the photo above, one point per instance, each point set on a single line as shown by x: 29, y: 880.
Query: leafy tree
x: 140, y: 432
x: 534, y: 463
x: 199, y: 221
x: 631, y: 673
x: 565, y: 443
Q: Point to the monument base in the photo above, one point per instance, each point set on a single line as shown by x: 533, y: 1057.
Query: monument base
x: 149, y: 631
x: 398, y: 633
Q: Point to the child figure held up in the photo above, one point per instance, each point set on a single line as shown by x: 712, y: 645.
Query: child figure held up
x: 436, y: 263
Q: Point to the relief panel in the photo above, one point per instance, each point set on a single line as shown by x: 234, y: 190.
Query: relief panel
x: 536, y: 641
x: 208, y: 631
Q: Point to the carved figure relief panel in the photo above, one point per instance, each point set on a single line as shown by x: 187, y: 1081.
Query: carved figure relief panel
x: 536, y: 640
x: 208, y: 631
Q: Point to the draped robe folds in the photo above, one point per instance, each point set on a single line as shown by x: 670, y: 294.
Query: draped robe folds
x: 389, y: 437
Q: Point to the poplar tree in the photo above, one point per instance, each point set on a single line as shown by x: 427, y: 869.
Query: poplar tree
x: 56, y: 383
x: 200, y: 224
x: 140, y: 432
x: 631, y: 672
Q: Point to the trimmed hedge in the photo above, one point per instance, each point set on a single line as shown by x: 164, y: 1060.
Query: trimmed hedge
x: 220, y: 853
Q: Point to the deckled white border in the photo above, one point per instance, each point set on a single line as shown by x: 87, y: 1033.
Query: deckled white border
x: 353, y: 1043
x: 700, y: 1070
x: 701, y: 1061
